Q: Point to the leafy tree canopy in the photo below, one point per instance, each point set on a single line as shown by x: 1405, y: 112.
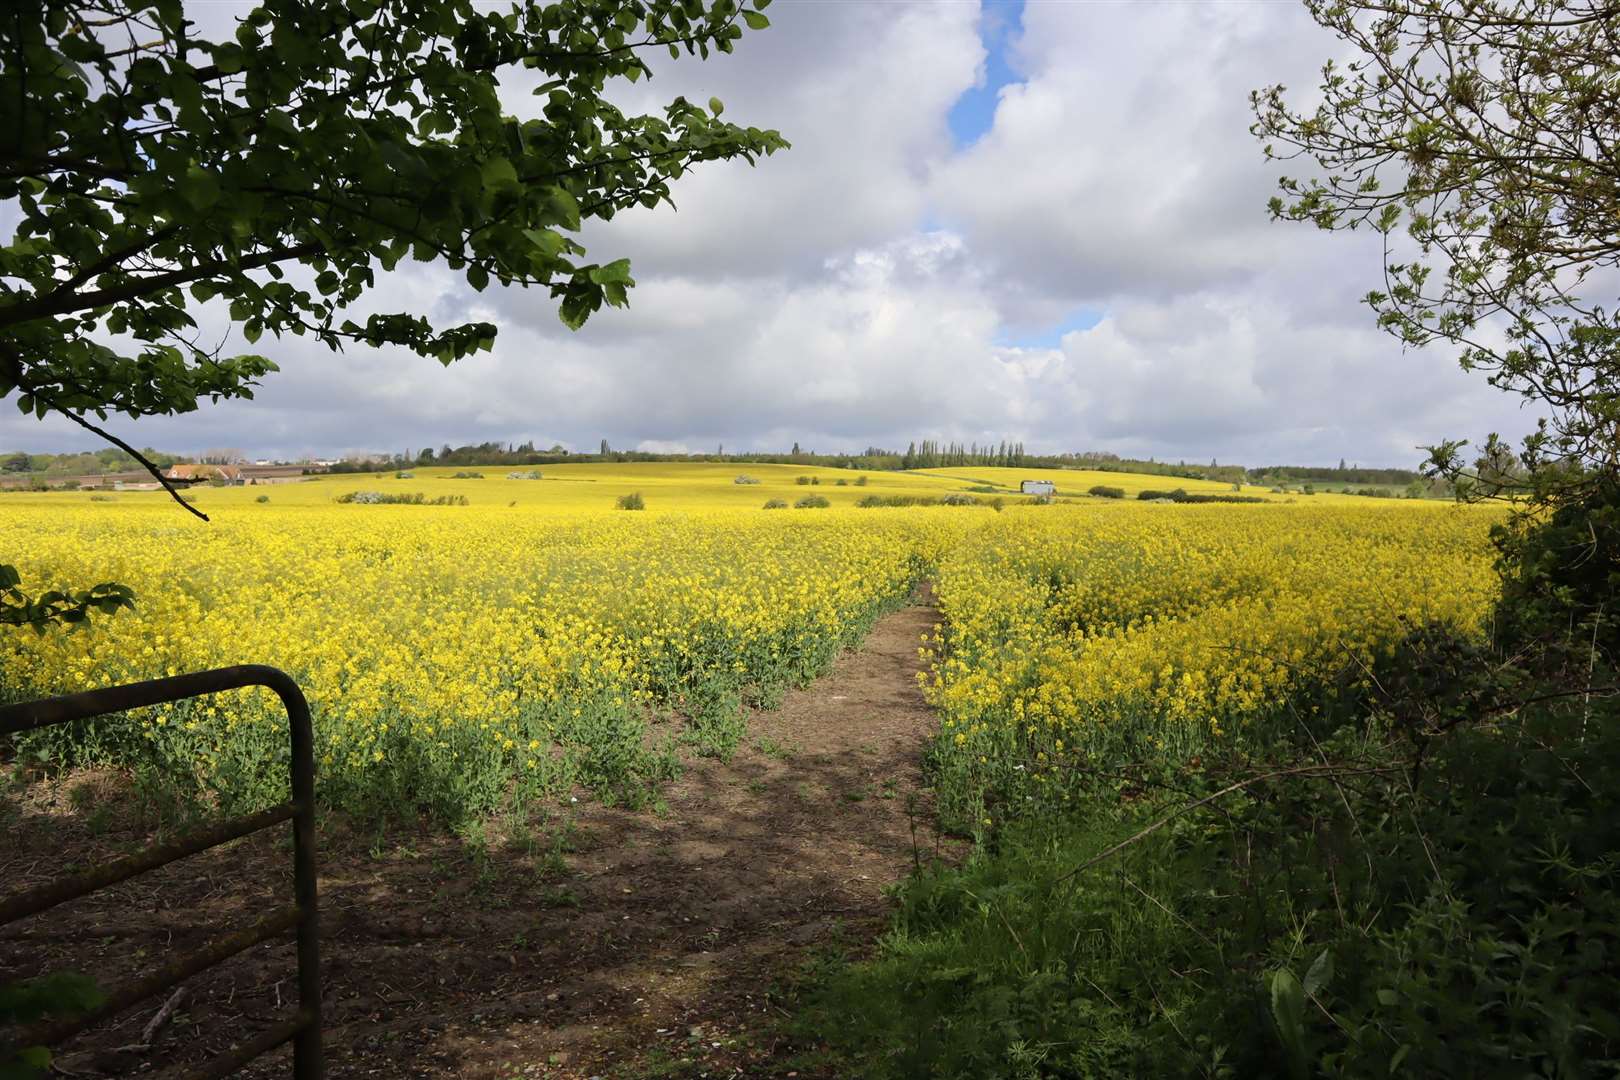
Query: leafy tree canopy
x: 1490, y: 133
x: 152, y: 169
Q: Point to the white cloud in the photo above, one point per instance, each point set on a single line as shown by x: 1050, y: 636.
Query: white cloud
x: 872, y: 285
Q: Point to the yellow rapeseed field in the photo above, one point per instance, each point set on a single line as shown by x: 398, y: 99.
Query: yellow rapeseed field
x: 454, y: 653
x: 458, y: 656
x: 1126, y: 632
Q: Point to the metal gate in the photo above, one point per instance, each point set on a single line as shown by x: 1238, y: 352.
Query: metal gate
x: 304, y: 1028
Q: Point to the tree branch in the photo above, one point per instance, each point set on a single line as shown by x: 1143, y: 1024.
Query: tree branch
x: 51, y: 304
x: 157, y: 474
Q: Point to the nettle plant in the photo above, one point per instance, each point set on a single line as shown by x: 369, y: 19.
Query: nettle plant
x: 275, y: 166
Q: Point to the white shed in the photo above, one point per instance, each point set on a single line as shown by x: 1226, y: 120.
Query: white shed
x: 1037, y: 487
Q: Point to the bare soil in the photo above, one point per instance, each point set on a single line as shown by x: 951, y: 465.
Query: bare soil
x: 600, y: 942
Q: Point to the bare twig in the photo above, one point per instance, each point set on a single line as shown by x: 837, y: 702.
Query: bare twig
x: 149, y: 1032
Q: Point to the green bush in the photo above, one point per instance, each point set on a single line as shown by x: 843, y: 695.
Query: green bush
x: 1372, y: 922
x: 954, y: 498
x: 467, y: 476
x: 860, y: 481
x: 261, y: 498
x: 633, y: 501
x: 1181, y: 495
x: 102, y: 498
x: 803, y: 480
x: 1103, y: 491
x: 1203, y: 497
x: 381, y: 498
x: 1560, y: 572
x: 744, y: 479
x: 775, y: 504
x: 812, y: 502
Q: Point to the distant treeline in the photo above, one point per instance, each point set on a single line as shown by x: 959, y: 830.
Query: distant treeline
x: 89, y: 463
x: 1104, y: 462
x: 1355, y: 474
x: 930, y: 454
x: 919, y: 454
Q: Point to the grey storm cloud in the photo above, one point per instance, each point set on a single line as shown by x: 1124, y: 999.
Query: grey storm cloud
x: 879, y: 283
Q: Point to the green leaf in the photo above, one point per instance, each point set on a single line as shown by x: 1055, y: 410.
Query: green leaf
x: 550, y: 243
x: 755, y: 20
x: 716, y: 106
x: 614, y: 273
x: 199, y: 187
x: 564, y: 206
x: 1320, y: 973
x: 1288, y: 1013
x: 497, y: 173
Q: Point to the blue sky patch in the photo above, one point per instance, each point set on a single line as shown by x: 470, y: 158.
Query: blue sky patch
x: 1052, y: 336
x: 1000, y: 21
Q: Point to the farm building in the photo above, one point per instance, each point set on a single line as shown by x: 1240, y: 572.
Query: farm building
x: 201, y: 474
x: 1037, y: 487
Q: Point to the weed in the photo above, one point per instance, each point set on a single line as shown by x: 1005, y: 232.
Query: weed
x: 773, y: 749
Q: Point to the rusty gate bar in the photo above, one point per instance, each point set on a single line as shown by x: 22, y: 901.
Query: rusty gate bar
x: 62, y: 890
x: 305, y: 1028
x: 176, y: 971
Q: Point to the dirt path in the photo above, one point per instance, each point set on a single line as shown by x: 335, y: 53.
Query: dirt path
x: 614, y: 944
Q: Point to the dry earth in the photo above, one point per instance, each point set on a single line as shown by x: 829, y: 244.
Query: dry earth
x: 598, y: 943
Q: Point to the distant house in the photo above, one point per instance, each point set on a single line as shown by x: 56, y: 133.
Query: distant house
x: 204, y: 474
x: 1037, y: 487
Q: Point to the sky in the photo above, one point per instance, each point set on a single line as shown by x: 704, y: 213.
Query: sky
x: 1034, y: 220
